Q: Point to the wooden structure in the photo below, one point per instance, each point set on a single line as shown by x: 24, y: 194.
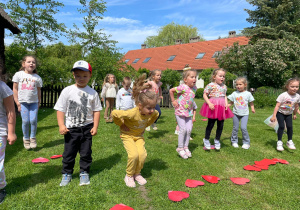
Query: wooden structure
x: 6, y: 22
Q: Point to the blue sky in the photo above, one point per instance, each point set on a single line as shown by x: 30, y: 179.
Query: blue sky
x: 130, y: 21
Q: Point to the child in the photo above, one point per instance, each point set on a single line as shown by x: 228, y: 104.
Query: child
x: 109, y: 93
x: 184, y: 110
x: 240, y: 98
x: 132, y: 126
x: 124, y: 99
x: 7, y: 129
x: 27, y: 94
x: 287, y: 104
x: 154, y: 81
x: 215, y: 107
x: 80, y: 105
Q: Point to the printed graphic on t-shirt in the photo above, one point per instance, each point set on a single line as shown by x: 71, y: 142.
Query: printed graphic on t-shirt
x: 287, y: 105
x: 28, y: 84
x: 126, y: 94
x: 77, y: 113
x: 240, y: 103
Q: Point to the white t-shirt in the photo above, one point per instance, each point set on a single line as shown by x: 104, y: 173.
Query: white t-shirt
x: 27, y: 86
x: 5, y: 92
x: 240, y: 102
x: 124, y: 99
x: 78, y: 104
x: 287, y: 102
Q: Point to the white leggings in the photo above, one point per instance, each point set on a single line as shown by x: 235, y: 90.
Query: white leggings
x: 185, y: 129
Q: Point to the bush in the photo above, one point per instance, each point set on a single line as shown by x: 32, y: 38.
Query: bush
x: 229, y: 91
x: 199, y: 93
x: 264, y: 100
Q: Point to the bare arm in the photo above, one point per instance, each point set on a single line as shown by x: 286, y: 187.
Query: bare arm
x: 174, y: 102
x: 39, y: 95
x: 275, y: 112
x: 15, y: 90
x: 252, y: 107
x: 11, y: 119
x: 211, y: 105
x: 96, y: 116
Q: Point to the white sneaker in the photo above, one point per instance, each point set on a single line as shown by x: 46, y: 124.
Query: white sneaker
x: 206, y: 144
x: 187, y: 152
x: 246, y: 146
x: 176, y: 132
x: 217, y: 145
x: 235, y: 145
x: 154, y: 126
x: 290, y: 144
x: 148, y: 128
x: 279, y: 146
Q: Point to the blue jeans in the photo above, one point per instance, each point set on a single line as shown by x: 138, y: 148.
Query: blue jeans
x: 157, y: 107
x: 236, y: 122
x: 29, y: 114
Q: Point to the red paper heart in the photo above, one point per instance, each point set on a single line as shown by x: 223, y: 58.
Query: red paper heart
x: 177, y: 195
x: 204, y: 119
x: 240, y: 181
x: 264, y: 167
x: 121, y: 206
x: 40, y: 160
x: 193, y: 183
x: 211, y: 147
x: 282, y: 161
x: 211, y: 179
x: 56, y: 156
x: 265, y: 162
x: 251, y: 168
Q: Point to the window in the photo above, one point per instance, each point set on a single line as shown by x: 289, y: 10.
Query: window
x: 146, y: 60
x: 136, y: 60
x: 200, y: 55
x: 216, y: 54
x: 171, y: 58
x: 126, y: 61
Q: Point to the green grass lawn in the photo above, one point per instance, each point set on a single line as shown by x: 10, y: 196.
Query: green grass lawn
x: 36, y: 186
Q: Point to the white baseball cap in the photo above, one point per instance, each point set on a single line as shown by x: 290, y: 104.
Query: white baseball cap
x: 82, y: 65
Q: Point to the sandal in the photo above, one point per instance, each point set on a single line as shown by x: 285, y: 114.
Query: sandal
x: 187, y: 152
x: 182, y: 153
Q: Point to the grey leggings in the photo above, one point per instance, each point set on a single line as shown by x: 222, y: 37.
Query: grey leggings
x: 236, y: 122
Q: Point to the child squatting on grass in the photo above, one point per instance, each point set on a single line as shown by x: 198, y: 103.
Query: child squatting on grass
x: 7, y: 129
x: 287, y: 104
x: 132, y: 127
x: 240, y: 99
x: 80, y: 105
x: 184, y: 110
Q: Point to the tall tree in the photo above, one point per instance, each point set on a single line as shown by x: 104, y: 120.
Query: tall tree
x: 91, y: 37
x: 168, y: 34
x: 36, y: 21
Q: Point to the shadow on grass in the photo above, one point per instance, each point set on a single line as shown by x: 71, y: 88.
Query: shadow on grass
x: 23, y: 183
x: 156, y: 164
x: 192, y: 146
x: 106, y: 163
x: 157, y: 134
x: 50, y: 144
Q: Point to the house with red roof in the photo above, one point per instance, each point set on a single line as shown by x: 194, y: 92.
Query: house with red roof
x: 198, y: 54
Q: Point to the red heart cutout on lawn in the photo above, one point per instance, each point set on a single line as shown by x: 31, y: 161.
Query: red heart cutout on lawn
x: 40, y: 160
x: 204, y: 119
x: 177, y: 195
x: 193, y: 183
x: 282, y: 161
x: 240, y: 181
x: 211, y: 147
x: 121, y: 206
x: 264, y: 167
x: 56, y: 156
x: 265, y: 162
x: 251, y: 168
x: 211, y: 179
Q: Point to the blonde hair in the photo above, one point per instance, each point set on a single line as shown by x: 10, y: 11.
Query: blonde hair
x: 106, y: 79
x: 215, y: 72
x: 187, y: 71
x: 152, y: 74
x: 289, y: 81
x: 126, y: 81
x: 243, y: 80
x: 24, y: 60
x: 141, y: 91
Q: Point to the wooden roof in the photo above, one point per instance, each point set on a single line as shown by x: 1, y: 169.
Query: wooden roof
x: 6, y: 22
x: 185, y: 54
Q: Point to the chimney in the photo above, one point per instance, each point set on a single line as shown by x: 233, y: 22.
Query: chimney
x: 194, y: 39
x: 178, y: 41
x: 143, y: 46
x: 232, y: 34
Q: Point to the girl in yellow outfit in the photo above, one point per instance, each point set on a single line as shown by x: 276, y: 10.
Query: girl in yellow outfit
x: 132, y: 126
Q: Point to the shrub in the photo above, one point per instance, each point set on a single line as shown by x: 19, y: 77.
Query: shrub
x: 229, y: 91
x: 264, y: 100
x: 199, y: 93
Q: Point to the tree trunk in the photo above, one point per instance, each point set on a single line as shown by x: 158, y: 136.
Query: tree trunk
x: 2, y: 56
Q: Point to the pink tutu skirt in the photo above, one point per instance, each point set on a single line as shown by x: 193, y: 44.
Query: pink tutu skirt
x: 219, y: 112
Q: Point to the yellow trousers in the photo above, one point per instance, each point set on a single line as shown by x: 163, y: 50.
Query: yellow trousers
x: 135, y: 147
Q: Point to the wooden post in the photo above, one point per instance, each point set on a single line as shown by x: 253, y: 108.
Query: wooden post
x: 2, y: 57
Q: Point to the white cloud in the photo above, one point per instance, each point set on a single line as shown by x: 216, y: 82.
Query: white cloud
x: 119, y: 21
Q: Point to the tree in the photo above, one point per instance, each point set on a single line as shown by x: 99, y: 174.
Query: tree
x: 91, y: 37
x: 168, y: 34
x: 206, y: 76
x: 170, y: 78
x: 36, y: 21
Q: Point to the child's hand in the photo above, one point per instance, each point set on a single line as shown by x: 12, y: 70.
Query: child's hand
x: 194, y: 120
x: 298, y: 111
x: 102, y: 99
x: 63, y: 130
x: 124, y: 128
x: 19, y: 107
x: 294, y: 117
x: 211, y: 106
x: 11, y: 138
x: 253, y: 110
x: 273, y: 119
x: 175, y: 104
x: 93, y: 131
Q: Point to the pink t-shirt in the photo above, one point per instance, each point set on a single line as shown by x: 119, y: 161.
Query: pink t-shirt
x: 185, y: 100
x: 215, y: 90
x: 155, y: 86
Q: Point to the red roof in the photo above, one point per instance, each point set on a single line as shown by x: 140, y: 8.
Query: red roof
x: 185, y: 54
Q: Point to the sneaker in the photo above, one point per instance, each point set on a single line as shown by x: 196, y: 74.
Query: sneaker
x: 26, y: 143
x: 279, y: 146
x: 206, y: 144
x: 217, y: 145
x: 33, y: 143
x: 290, y: 144
x: 154, y: 126
x: 2, y: 195
x: 141, y: 180
x: 129, y: 180
x: 148, y: 128
x: 235, y: 145
x: 84, y: 178
x: 176, y: 132
x: 246, y: 146
x: 187, y: 152
x: 182, y: 153
x: 66, y: 179
x: 191, y: 139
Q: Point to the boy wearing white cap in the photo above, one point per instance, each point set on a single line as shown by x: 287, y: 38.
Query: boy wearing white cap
x: 79, y: 105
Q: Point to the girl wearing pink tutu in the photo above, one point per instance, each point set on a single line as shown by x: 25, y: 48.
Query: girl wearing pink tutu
x: 215, y: 107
